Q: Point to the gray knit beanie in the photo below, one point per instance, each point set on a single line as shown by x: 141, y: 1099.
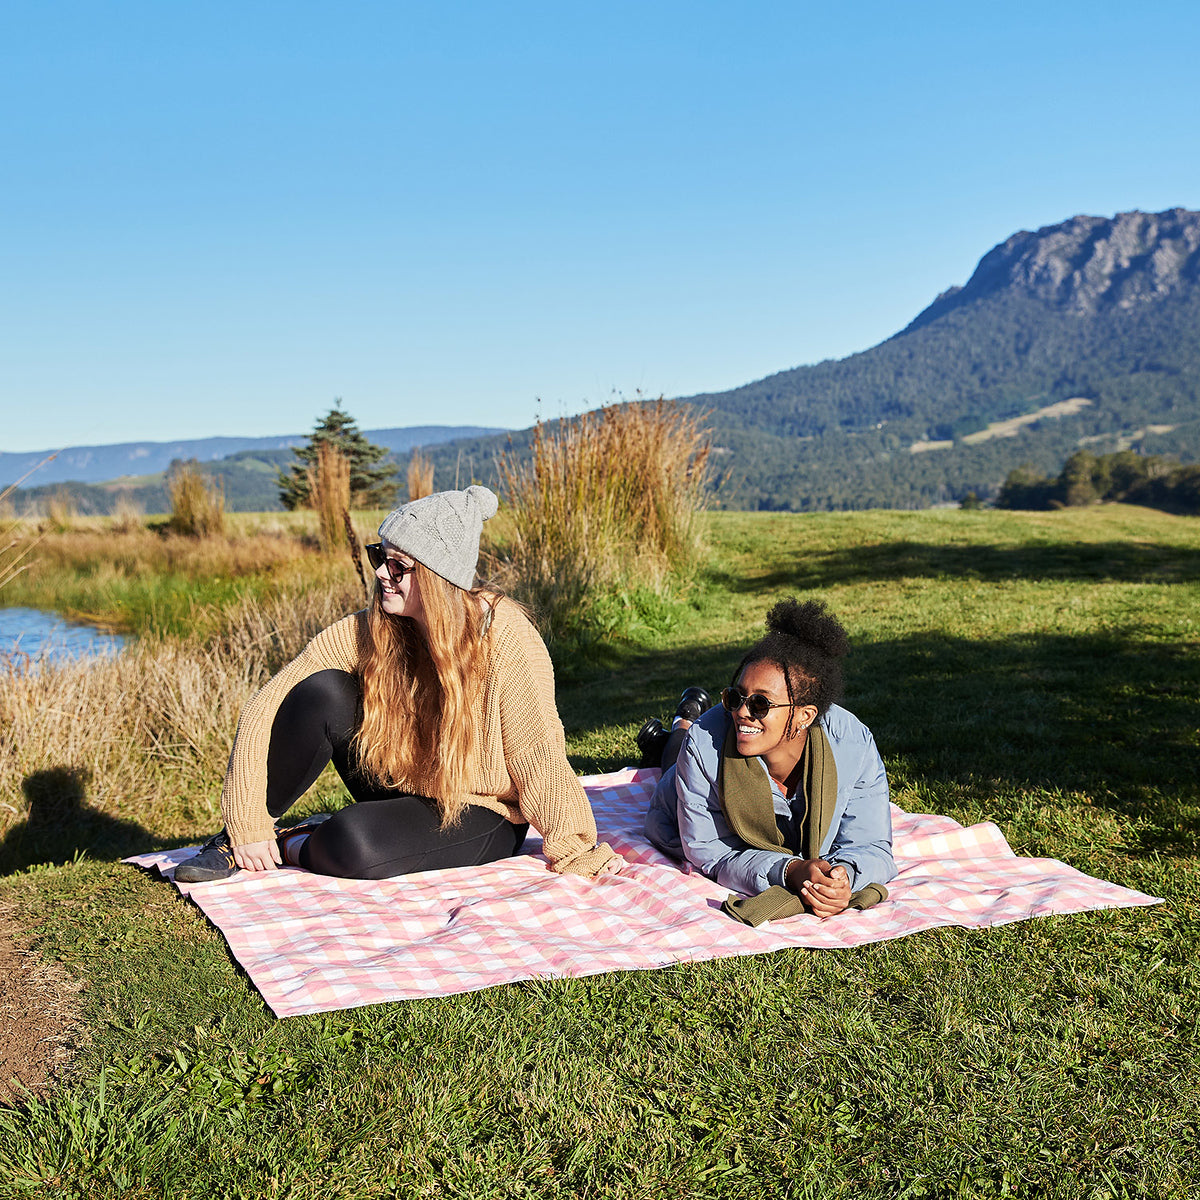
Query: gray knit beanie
x: 442, y: 531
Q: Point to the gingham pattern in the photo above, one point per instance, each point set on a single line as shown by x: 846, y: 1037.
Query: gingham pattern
x: 311, y: 943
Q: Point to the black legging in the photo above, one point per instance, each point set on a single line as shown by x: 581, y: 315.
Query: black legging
x: 387, y: 832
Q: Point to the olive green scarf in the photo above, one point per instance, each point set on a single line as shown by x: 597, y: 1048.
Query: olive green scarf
x: 747, y: 802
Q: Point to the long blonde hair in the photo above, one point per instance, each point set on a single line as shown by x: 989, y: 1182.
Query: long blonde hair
x: 419, y: 731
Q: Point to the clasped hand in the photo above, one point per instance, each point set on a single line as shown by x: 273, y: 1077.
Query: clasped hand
x: 825, y: 890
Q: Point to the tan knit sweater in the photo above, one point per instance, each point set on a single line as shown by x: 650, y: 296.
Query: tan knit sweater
x: 523, y: 773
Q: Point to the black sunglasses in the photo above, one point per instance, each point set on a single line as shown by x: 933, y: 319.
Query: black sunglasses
x: 757, y: 705
x: 377, y: 557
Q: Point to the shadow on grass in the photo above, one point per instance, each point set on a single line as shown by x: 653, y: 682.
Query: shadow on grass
x: 1125, y: 562
x: 60, y: 825
x: 1111, y: 719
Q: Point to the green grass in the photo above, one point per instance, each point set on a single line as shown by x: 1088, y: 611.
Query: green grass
x: 152, y: 582
x: 1038, y: 670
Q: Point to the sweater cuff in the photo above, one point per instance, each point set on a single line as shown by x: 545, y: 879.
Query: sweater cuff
x: 587, y: 862
x: 242, y: 833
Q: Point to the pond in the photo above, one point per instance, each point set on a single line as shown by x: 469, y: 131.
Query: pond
x: 49, y: 637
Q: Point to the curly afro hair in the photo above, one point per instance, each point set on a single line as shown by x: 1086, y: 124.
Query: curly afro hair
x: 807, y: 643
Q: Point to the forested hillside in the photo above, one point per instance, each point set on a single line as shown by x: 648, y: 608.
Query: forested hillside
x: 1107, y: 311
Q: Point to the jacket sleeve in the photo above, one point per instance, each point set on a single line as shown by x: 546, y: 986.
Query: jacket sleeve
x: 709, y: 844
x: 862, y: 840
x: 549, y: 793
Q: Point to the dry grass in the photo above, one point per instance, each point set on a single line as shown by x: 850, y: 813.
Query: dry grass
x: 609, y: 499
x: 329, y: 494
x: 197, y: 503
x: 106, y: 550
x: 420, y: 476
x: 127, y: 515
x: 144, y: 737
x: 60, y: 512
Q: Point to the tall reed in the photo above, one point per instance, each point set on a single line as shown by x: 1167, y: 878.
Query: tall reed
x: 14, y: 549
x: 197, y: 502
x: 420, y: 475
x: 607, y: 500
x: 329, y: 494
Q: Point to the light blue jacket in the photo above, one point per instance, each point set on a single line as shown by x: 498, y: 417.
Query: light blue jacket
x: 685, y: 818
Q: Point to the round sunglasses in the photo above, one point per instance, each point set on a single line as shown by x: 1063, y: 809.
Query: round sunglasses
x: 377, y: 557
x: 757, y: 705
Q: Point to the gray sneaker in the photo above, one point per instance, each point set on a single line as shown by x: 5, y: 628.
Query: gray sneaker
x: 215, y: 861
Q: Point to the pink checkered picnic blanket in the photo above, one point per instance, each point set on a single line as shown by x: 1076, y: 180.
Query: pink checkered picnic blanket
x: 311, y: 943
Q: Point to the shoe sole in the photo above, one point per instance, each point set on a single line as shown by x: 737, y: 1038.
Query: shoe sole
x: 202, y: 874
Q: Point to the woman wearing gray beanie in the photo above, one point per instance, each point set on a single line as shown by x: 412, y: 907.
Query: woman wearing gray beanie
x: 435, y: 705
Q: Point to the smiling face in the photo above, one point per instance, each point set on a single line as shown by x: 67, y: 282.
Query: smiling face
x: 762, y: 735
x: 767, y: 737
x: 402, y: 598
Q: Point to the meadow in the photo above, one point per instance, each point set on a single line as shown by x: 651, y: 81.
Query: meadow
x: 1040, y: 670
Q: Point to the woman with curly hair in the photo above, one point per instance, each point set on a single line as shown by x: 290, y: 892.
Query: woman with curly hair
x: 435, y: 705
x: 777, y: 792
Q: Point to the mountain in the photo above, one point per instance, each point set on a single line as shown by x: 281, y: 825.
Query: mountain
x: 1088, y: 264
x: 1085, y: 333
x: 96, y: 464
x: 1082, y: 334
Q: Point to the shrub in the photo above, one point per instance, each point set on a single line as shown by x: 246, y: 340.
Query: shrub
x: 329, y: 494
x: 420, y: 476
x: 607, y: 500
x: 60, y: 511
x: 126, y: 514
x: 1125, y: 476
x: 197, y: 502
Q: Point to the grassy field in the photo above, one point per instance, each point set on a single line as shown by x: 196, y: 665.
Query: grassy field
x: 1039, y: 670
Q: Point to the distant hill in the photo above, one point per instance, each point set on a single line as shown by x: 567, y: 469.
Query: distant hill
x: 98, y: 464
x: 248, y: 477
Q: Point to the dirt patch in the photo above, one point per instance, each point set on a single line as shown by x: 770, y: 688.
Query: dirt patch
x: 1010, y: 428
x: 39, y: 1006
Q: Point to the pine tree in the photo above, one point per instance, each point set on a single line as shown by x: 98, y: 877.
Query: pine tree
x: 373, y: 483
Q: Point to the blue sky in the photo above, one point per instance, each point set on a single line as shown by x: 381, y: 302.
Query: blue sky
x: 215, y: 218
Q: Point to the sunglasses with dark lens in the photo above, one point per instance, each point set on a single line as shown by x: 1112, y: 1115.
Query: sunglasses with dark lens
x: 377, y: 557
x: 757, y: 705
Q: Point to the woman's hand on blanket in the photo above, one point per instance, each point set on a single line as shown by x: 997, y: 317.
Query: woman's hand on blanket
x: 612, y: 867
x: 257, y: 856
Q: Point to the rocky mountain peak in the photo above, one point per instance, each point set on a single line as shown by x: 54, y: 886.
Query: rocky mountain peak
x: 1088, y: 263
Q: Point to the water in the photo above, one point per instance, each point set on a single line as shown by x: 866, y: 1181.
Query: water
x: 48, y: 637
